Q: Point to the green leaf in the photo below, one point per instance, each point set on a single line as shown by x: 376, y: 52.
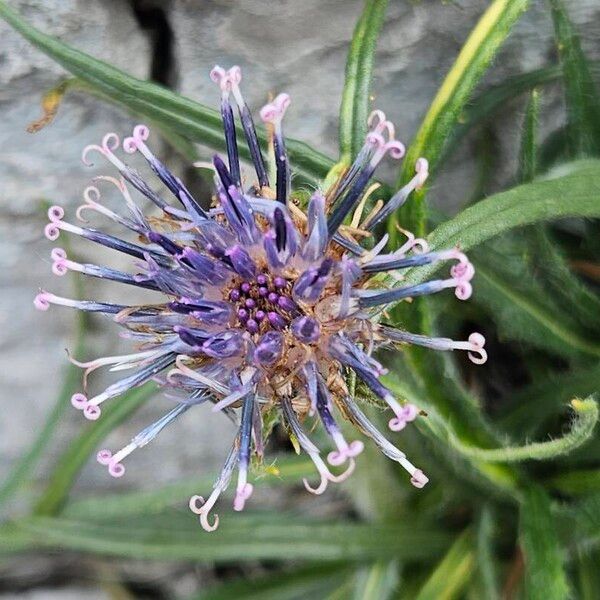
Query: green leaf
x: 516, y: 294
x: 566, y: 309
x: 354, y: 109
x: 584, y: 530
x: 315, y: 581
x: 376, y: 582
x: 486, y: 561
x: 286, y: 470
x: 575, y: 483
x: 445, y: 110
x: 570, y: 293
x: 453, y: 573
x: 528, y: 153
x: 588, y: 575
x: 14, y: 539
x: 484, y: 107
x: 522, y: 205
x: 71, y: 462
x: 545, y: 578
x: 586, y: 412
x: 178, y: 536
x: 184, y: 116
x: 583, y: 102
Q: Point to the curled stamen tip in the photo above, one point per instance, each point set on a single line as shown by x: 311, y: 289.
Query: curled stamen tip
x: 217, y: 73
x: 480, y: 358
x: 206, y: 525
x: 355, y: 448
x: 92, y: 412
x: 130, y: 145
x: 376, y: 114
x: 79, y: 401
x: 116, y: 469
x: 319, y: 489
x: 395, y: 149
x: 397, y: 424
x: 42, y: 301
x: 464, y: 270
x: 86, y: 151
x: 104, y: 456
x: 345, y: 474
x: 140, y: 135
x: 56, y: 213
x: 58, y: 254
x: 408, y: 414
x: 91, y: 194
x: 110, y: 142
x: 422, y: 170
x: 463, y: 290
x: 419, y: 479
x: 274, y: 111
x: 59, y: 258
x: 235, y: 75
x: 477, y: 342
x: 375, y: 139
x: 141, y: 131
x: 59, y: 268
x: 419, y: 245
x: 196, y: 503
x: 241, y: 496
x: 52, y: 231
x: 422, y: 165
x: 336, y: 458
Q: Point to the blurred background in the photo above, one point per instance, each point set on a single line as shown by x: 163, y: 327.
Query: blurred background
x: 291, y: 46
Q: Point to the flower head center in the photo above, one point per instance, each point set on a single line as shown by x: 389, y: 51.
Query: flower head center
x: 264, y: 303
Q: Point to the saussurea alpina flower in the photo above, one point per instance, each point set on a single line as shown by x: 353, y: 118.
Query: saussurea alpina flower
x: 262, y: 308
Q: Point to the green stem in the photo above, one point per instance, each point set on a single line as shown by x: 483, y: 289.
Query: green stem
x: 586, y: 413
x: 359, y: 71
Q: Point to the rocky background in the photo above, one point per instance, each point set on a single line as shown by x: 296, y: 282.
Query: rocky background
x: 283, y: 45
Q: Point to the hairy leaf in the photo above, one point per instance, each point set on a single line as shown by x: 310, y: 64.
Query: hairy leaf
x: 545, y: 578
x: 315, y: 581
x: 174, y: 536
x: 377, y: 581
x: 453, y: 573
x: 586, y: 412
x: 354, y: 109
x: 583, y: 102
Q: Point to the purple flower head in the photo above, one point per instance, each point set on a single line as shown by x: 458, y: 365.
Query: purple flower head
x: 260, y: 307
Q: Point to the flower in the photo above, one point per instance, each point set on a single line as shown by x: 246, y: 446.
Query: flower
x: 263, y: 309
